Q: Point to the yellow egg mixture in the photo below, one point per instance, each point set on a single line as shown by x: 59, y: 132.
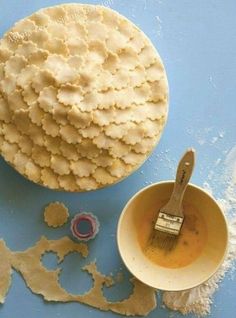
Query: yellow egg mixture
x: 191, y: 241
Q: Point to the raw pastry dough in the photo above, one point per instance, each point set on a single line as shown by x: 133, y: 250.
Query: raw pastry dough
x: 46, y: 283
x: 79, y: 82
x: 56, y: 214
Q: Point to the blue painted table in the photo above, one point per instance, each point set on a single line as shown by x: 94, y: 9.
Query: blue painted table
x: 197, y: 42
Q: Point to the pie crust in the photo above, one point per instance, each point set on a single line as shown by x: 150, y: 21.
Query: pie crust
x: 83, y: 97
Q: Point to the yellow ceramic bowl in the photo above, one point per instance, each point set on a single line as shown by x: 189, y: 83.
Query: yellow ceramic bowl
x: 182, y: 278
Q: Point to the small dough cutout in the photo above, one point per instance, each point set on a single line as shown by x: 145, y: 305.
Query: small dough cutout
x: 14, y: 65
x: 77, y: 46
x: 20, y: 162
x: 78, y: 118
x: 53, y: 144
x: 103, y: 142
x: 134, y: 135
x: 5, y: 54
x: 48, y: 98
x: 68, y: 182
x: 36, y: 114
x: 26, y: 49
x: 69, y: 151
x: 102, y: 176
x: 5, y: 115
x: 70, y: 135
x: 103, y: 160
x: 56, y: 214
x: 41, y: 156
x: 40, y: 19
x: 24, y: 26
x: 103, y: 117
x: 128, y: 58
x: 154, y: 72
x: 36, y: 135
x: 22, y: 121
x: 116, y: 41
x: 119, y: 149
x: 2, y: 72
x: 50, y: 126
x: 57, y: 46
x: 88, y: 149
x: 11, y: 133
x: 133, y: 158
x: 60, y: 114
x: 39, y: 37
x: 118, y: 168
x: 70, y: 95
x: 147, y: 56
x: 42, y: 80
x: 32, y: 171
x: 29, y: 95
x: 27, y: 75
x: 49, y: 178
x: 118, y: 131
x: 146, y: 145
x: 83, y: 168
x: 26, y: 145
x: 87, y: 184
x: 9, y: 150
x: 16, y: 101
x: 60, y: 165
x: 91, y: 132
x: 38, y: 58
x: 8, y: 84
x: 158, y: 90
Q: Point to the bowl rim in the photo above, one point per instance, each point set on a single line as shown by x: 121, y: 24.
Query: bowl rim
x: 171, y: 182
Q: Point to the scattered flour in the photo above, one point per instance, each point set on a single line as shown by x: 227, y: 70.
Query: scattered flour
x: 228, y: 180
x: 198, y: 300
x: 206, y: 136
x: 212, y: 82
x: 159, y: 26
x: 207, y: 187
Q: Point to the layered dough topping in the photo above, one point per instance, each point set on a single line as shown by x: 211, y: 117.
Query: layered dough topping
x: 83, y: 97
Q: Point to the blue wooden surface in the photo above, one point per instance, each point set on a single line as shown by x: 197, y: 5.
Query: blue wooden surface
x: 197, y: 42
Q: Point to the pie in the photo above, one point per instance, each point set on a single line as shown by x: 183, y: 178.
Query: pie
x: 83, y: 97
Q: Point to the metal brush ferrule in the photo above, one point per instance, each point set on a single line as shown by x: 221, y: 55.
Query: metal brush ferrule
x: 169, y: 223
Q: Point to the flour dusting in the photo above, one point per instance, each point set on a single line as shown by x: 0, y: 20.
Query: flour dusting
x: 159, y: 26
x: 199, y: 299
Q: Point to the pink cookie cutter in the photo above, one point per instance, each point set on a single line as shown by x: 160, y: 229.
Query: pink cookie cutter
x: 91, y: 223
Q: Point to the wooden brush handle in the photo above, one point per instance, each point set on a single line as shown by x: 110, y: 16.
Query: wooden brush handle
x: 183, y: 175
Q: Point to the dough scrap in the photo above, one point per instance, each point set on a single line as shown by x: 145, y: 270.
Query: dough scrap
x: 79, y: 82
x: 5, y: 270
x: 46, y: 282
x: 56, y: 214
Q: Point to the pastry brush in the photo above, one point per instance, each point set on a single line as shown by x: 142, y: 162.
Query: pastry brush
x: 170, y: 217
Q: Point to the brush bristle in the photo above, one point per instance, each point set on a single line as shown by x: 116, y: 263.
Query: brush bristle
x: 163, y: 240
